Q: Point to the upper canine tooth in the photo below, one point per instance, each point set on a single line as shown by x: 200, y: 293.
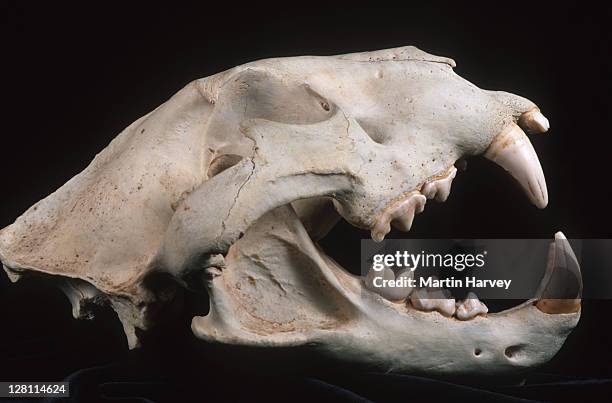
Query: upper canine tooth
x: 534, y: 122
x: 470, y: 307
x: 440, y: 188
x: 512, y: 150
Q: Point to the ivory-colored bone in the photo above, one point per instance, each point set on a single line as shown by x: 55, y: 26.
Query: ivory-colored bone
x: 238, y: 175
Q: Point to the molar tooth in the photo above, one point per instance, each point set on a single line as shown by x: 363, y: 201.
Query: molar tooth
x: 433, y: 300
x: 512, y: 150
x: 439, y: 189
x: 393, y: 294
x: 470, y: 307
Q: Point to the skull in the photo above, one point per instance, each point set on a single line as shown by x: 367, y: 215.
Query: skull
x: 233, y: 181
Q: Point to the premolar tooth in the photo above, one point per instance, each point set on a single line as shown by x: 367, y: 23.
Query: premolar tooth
x: 470, y: 307
x: 440, y: 188
x: 433, y: 300
x: 379, y: 232
x: 512, y: 150
x: 394, y: 294
x: 534, y: 122
x: 401, y: 214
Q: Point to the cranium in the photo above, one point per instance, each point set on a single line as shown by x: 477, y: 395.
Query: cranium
x: 236, y: 177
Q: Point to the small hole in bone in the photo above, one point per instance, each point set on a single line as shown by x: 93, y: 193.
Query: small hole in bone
x: 512, y: 351
x: 325, y: 106
x: 477, y: 352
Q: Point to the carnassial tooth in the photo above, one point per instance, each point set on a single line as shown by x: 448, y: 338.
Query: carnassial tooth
x: 403, y: 214
x: 512, y: 150
x: 470, y: 307
x: 393, y: 294
x: 440, y: 188
x: 433, y: 300
x: 400, y: 214
x: 534, y: 122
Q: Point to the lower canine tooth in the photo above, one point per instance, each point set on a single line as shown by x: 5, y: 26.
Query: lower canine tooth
x: 470, y: 307
x: 433, y: 300
x: 561, y: 287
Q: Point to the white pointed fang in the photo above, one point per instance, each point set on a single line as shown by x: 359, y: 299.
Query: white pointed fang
x: 470, y: 307
x: 561, y: 288
x: 534, y: 122
x: 400, y: 214
x: 439, y: 189
x: 512, y: 150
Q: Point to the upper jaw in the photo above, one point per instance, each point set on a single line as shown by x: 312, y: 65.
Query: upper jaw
x: 510, y: 149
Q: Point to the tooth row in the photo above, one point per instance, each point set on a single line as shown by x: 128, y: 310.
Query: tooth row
x: 438, y: 300
x: 439, y: 189
x: 401, y: 215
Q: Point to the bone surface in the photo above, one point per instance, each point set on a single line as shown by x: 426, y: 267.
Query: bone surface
x: 235, y: 178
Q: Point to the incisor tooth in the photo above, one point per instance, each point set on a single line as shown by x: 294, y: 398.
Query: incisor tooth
x: 534, y: 122
x: 470, y: 307
x: 512, y: 150
x: 439, y: 189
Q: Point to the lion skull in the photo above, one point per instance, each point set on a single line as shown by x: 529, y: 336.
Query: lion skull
x: 237, y: 177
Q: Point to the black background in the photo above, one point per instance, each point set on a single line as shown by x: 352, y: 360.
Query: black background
x: 75, y: 76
